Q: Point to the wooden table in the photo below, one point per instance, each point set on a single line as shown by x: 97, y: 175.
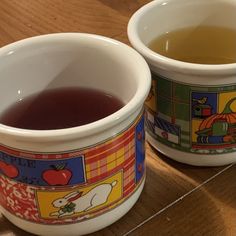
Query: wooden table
x: 177, y: 199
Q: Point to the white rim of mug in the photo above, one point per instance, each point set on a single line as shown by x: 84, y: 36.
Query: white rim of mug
x: 211, y: 70
x: 135, y: 102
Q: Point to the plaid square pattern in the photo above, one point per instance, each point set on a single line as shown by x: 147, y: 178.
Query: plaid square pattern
x: 113, y: 156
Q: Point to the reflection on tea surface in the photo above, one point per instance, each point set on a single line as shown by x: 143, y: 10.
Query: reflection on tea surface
x: 60, y: 108
x: 198, y: 44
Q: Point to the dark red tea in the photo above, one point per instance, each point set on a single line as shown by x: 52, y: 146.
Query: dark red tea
x: 60, y: 108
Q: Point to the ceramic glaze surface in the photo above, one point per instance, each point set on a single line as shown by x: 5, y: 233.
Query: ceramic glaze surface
x: 68, y: 187
x: 193, y: 119
x: 191, y: 108
x: 74, y: 180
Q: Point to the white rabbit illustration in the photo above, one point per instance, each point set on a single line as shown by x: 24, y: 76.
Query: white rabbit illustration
x: 75, y: 203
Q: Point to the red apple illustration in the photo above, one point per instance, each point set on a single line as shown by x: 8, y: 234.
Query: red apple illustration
x: 58, y: 175
x: 9, y: 170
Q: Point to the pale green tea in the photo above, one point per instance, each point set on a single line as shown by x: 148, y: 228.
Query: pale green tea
x: 201, y: 44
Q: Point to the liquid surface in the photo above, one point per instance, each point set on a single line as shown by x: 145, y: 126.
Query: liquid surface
x: 60, y: 108
x: 202, y: 44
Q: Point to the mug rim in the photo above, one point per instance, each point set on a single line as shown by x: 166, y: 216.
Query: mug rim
x: 143, y: 81
x: 164, y: 62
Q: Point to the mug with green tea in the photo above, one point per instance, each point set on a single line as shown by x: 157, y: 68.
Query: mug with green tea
x: 198, y: 44
x: 191, y: 50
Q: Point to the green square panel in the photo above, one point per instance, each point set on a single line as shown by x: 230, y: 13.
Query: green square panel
x: 164, y: 106
x: 182, y: 111
x: 182, y: 92
x: 164, y: 87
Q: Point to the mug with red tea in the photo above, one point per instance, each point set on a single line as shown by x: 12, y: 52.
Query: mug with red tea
x: 60, y: 108
x: 72, y: 157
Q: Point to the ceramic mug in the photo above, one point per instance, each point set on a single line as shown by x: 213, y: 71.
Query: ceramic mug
x: 191, y: 111
x: 102, y: 164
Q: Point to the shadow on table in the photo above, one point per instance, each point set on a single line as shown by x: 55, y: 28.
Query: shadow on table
x: 223, y: 189
x: 191, y: 214
x: 222, y: 186
x: 125, y: 7
x: 196, y: 173
x: 7, y: 228
x: 196, y: 214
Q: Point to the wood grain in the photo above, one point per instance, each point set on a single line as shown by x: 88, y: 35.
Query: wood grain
x: 210, y: 210
x: 25, y: 18
x: 167, y: 181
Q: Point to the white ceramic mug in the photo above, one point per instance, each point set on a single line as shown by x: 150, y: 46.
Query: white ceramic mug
x: 183, y: 129
x: 104, y: 168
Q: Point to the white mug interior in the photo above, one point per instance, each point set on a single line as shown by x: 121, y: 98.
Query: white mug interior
x: 162, y: 16
x: 65, y: 60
